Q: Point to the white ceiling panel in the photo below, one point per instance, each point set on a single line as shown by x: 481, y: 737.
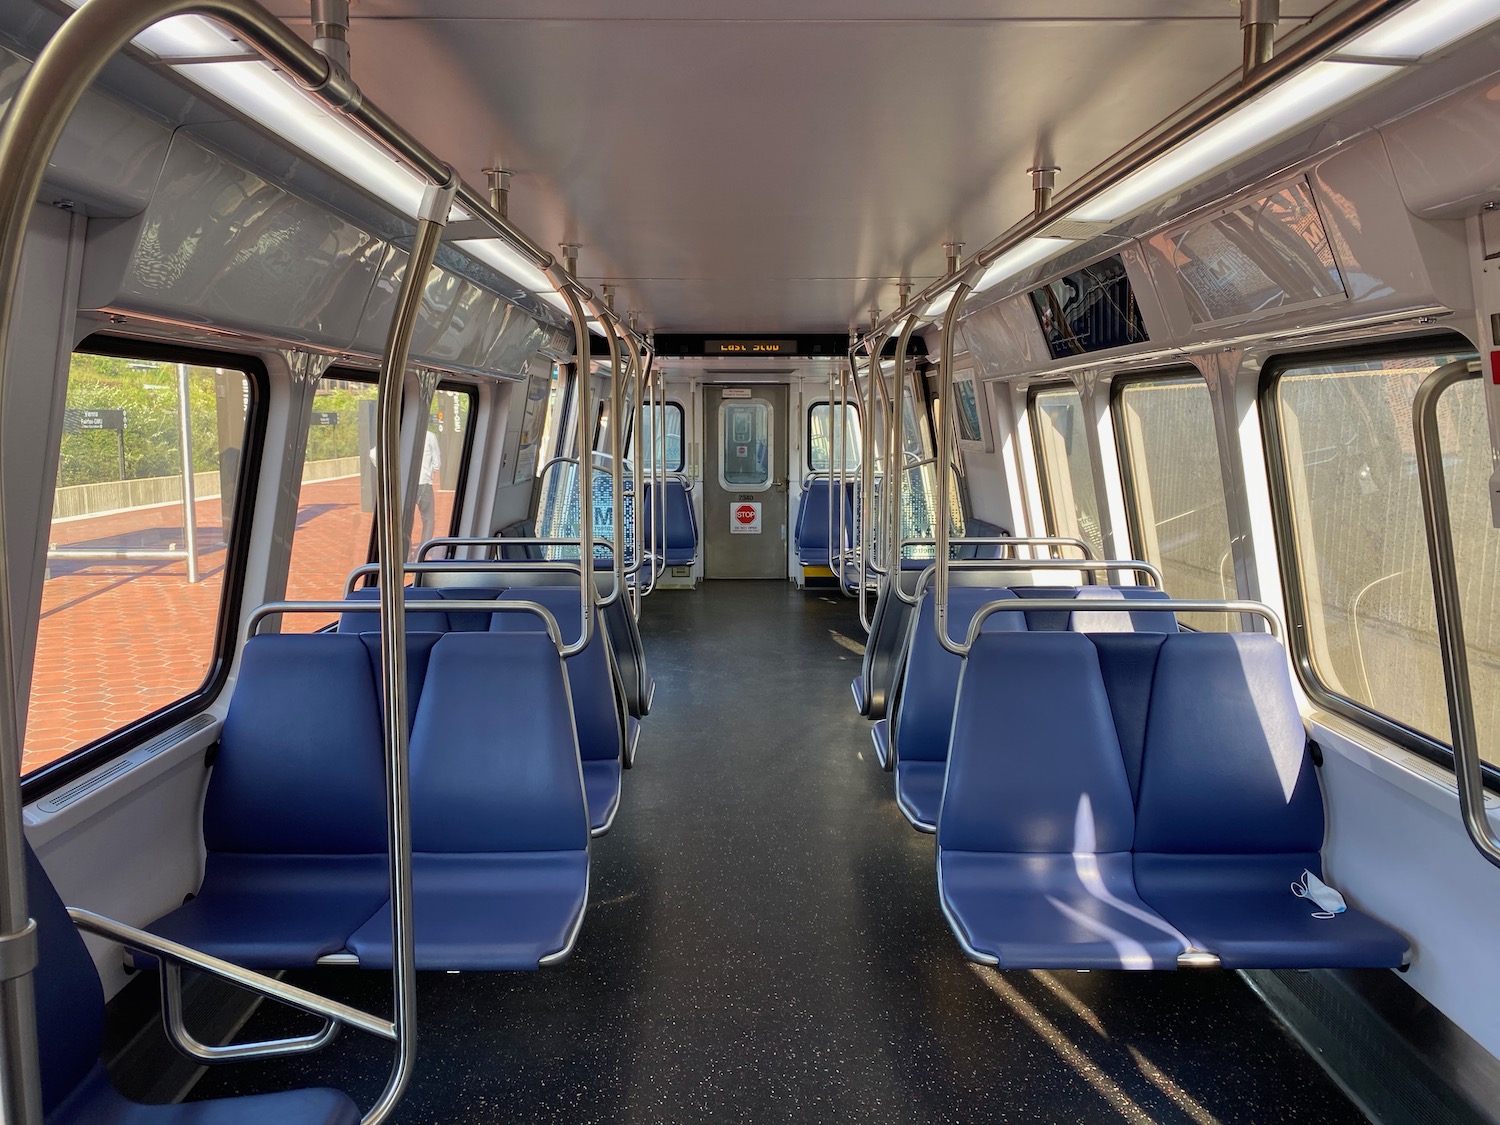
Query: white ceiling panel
x: 777, y: 166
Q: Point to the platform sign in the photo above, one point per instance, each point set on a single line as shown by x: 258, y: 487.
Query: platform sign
x: 82, y: 421
x: 325, y: 418
x: 744, y: 518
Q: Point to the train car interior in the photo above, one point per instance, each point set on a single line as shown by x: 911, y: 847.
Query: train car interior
x: 820, y: 561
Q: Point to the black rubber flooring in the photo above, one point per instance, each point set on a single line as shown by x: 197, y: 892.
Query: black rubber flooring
x: 764, y: 945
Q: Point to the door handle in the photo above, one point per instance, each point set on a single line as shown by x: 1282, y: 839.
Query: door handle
x: 779, y: 486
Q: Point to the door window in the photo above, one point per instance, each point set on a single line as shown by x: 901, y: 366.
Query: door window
x: 745, y: 445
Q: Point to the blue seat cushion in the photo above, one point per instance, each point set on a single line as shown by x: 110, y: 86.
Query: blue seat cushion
x: 1241, y: 908
x: 1048, y: 911
x: 880, y: 735
x: 601, y: 787
x: 96, y: 1102
x: 486, y: 912
x: 919, y: 792
x: 278, y: 911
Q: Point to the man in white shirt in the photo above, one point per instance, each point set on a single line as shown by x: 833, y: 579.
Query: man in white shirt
x: 427, y: 480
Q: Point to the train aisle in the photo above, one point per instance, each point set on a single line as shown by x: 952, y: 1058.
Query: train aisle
x: 764, y: 944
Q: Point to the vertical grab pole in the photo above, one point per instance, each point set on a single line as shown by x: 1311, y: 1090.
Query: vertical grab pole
x: 612, y: 334
x: 944, y: 449
x: 189, y: 492
x: 1467, y: 770
x: 391, y: 543
x: 638, y: 553
x: 832, y: 520
x: 896, y: 454
x: 583, y: 436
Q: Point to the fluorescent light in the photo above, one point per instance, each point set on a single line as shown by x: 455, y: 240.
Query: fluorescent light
x: 509, y: 261
x: 1305, y: 96
x: 1421, y: 28
x: 288, y: 112
x: 260, y: 93
x: 1019, y: 257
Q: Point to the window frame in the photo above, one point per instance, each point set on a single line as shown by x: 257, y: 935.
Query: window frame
x: 466, y: 450
x: 664, y: 406
x: 123, y: 740
x: 1129, y: 486
x: 1283, y: 522
x: 807, y: 436
x: 1043, y: 473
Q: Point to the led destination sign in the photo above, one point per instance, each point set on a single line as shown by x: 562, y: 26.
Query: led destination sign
x: 749, y: 347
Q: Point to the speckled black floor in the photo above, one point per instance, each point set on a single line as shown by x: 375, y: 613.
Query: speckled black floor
x: 764, y: 945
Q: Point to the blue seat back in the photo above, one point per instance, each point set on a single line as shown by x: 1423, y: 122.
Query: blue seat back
x: 591, y: 678
x: 1107, y: 621
x: 1034, y: 766
x: 1128, y: 663
x: 418, y: 652
x: 1226, y: 769
x: 678, y: 530
x: 300, y: 762
x: 494, y: 757
x: 929, y: 684
x: 69, y: 999
x: 460, y: 622
x: 421, y: 621
x: 814, y: 518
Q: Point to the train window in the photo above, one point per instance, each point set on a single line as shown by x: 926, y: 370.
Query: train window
x: 1178, y: 517
x: 1352, y: 513
x: 150, y: 483
x: 825, y: 427
x: 1060, y: 432
x: 670, y: 418
x: 559, y: 399
x: 745, y: 445
x: 445, y: 456
x: 336, y: 503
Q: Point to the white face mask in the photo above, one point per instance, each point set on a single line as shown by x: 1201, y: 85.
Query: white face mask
x: 1329, y: 900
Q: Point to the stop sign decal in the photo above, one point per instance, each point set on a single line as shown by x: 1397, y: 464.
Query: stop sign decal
x: 744, y: 519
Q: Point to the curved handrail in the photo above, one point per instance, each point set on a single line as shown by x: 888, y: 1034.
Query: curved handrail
x: 1468, y: 771
x: 1082, y: 566
x: 1012, y: 541
x: 1071, y: 605
x: 267, y: 610
x: 942, y: 451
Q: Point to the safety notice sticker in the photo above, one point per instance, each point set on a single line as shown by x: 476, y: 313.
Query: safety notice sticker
x: 744, y: 519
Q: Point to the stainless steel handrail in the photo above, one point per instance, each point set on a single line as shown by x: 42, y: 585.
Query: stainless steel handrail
x: 481, y: 566
x: 1468, y: 770
x: 1299, y: 50
x: 167, y: 950
x: 1083, y: 566
x: 1072, y: 605
x: 392, y: 538
x: 1053, y: 542
x: 266, y: 610
x: 942, y: 453
x: 495, y: 542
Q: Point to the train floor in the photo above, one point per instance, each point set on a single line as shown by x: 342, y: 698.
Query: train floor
x: 764, y: 944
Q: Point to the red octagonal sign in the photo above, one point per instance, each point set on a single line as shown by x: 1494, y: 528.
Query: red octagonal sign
x: 745, y: 513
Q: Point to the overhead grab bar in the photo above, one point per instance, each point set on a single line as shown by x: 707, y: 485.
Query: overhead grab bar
x: 1468, y: 770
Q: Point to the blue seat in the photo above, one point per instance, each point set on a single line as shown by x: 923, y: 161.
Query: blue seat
x: 678, y: 527
x: 591, y: 682
x: 418, y: 621
x: 814, y: 519
x: 923, y: 717
x: 500, y: 825
x: 1230, y: 813
x: 1036, y: 824
x: 1102, y: 621
x: 294, y: 817
x: 70, y: 1032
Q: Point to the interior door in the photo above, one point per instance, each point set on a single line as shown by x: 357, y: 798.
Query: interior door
x: 744, y: 482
